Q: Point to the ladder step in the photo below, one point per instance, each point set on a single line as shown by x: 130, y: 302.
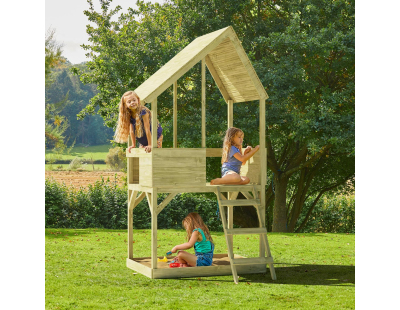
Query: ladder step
x: 253, y: 260
x: 246, y: 231
x: 240, y: 202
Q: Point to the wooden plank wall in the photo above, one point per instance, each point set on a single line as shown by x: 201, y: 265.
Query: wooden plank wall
x: 252, y: 169
x: 133, y: 170
x: 180, y: 167
x: 145, y: 172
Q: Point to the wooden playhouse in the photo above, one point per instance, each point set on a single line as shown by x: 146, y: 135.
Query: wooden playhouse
x: 178, y: 170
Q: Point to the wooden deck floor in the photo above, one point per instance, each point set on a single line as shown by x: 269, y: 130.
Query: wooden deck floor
x: 207, y: 188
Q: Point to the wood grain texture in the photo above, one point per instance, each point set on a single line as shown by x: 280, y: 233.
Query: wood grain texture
x: 175, y: 116
x: 230, y: 113
x: 154, y: 123
x: 176, y: 170
x: 180, y: 64
x: 216, y: 78
x: 220, y: 267
x: 130, y: 223
x: 226, y: 59
x: 203, y: 103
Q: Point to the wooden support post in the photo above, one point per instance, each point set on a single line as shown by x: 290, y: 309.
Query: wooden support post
x: 131, y: 193
x: 231, y: 196
x: 154, y: 229
x: 130, y: 223
x: 175, y: 120
x: 203, y: 103
x: 163, y: 204
x: 154, y: 123
x: 230, y: 114
x: 228, y: 243
x: 263, y: 167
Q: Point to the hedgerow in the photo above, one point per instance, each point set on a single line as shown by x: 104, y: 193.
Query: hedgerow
x: 104, y: 205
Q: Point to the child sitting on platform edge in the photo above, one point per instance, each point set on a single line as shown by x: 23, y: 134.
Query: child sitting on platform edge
x: 198, y: 235
x: 233, y: 159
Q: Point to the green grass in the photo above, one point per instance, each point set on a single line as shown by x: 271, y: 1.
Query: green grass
x: 87, y: 167
x: 86, y: 269
x: 97, y: 151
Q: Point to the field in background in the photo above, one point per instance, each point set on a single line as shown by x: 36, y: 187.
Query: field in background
x: 87, y: 173
x: 84, y: 178
x: 85, y: 167
x: 97, y: 152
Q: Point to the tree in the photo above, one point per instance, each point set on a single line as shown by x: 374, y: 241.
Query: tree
x: 55, y: 125
x: 303, y: 51
x: 90, y: 129
x: 53, y: 52
x: 124, y: 53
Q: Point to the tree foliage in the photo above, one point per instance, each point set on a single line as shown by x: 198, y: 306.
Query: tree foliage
x: 53, y: 52
x: 55, y: 124
x: 89, y: 130
x: 303, y: 52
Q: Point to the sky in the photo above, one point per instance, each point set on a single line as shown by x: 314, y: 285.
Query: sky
x: 69, y: 22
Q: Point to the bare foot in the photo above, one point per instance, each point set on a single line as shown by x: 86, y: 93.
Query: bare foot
x: 215, y: 181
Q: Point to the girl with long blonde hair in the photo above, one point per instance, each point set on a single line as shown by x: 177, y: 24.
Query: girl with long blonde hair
x: 135, y: 119
x: 198, y: 236
x: 232, y: 158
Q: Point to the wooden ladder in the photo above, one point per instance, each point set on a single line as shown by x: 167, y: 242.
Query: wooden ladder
x: 229, y: 232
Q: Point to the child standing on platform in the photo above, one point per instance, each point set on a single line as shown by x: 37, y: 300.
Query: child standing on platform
x: 199, y: 237
x: 233, y: 159
x: 135, y: 119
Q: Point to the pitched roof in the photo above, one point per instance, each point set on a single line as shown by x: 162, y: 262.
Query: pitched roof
x: 226, y: 60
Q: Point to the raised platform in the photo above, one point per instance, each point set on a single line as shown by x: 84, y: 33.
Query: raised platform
x: 207, y: 188
x: 220, y: 267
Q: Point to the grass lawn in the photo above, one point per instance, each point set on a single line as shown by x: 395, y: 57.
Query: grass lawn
x: 97, y: 151
x: 86, y: 269
x: 87, y: 167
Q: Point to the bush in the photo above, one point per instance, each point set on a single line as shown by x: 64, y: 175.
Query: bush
x: 76, y: 163
x: 335, y: 214
x: 116, y: 159
x: 101, y: 205
x: 104, y: 205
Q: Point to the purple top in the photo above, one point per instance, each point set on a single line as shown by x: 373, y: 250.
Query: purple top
x: 143, y: 139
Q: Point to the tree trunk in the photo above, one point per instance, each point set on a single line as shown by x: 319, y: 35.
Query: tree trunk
x: 280, y: 215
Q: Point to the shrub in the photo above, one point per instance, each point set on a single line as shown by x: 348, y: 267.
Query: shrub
x: 104, y: 205
x: 335, y: 214
x: 101, y: 205
x: 76, y: 163
x: 116, y: 159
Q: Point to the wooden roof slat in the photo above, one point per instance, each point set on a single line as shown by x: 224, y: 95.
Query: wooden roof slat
x: 226, y: 60
x: 217, y: 80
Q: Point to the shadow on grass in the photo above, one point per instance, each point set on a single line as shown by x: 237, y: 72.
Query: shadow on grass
x: 303, y: 274
x: 299, y: 274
